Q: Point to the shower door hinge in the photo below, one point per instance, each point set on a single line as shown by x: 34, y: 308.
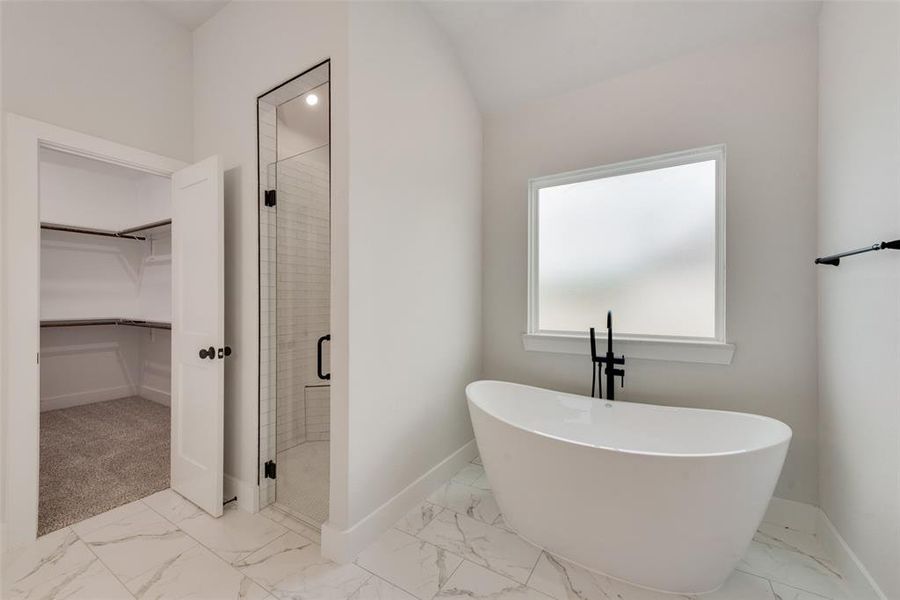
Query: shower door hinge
x: 270, y: 469
x: 269, y: 198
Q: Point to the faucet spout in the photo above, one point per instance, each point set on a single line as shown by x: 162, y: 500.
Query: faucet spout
x: 610, y: 360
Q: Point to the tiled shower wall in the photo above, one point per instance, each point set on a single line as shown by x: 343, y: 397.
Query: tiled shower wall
x: 318, y: 413
x: 302, y: 297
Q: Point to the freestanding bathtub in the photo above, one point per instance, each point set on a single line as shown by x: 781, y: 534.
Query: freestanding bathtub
x: 665, y: 498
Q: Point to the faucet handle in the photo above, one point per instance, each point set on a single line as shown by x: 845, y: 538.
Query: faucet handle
x: 620, y: 373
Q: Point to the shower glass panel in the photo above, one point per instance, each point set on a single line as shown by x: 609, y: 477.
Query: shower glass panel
x: 295, y: 274
x: 302, y: 314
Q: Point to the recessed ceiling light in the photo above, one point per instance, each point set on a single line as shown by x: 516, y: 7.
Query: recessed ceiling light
x: 312, y: 99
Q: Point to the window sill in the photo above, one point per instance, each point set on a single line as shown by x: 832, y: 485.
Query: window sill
x: 715, y: 353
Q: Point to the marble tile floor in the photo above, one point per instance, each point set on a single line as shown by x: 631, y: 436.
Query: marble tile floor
x: 455, y: 545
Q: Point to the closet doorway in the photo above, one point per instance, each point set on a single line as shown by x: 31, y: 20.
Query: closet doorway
x: 120, y: 310
x: 295, y: 299
x: 106, y: 319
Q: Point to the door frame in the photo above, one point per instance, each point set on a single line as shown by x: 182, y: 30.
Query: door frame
x: 267, y: 420
x: 21, y: 319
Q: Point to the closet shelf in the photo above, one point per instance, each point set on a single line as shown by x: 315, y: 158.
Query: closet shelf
x: 111, y: 321
x: 129, y: 233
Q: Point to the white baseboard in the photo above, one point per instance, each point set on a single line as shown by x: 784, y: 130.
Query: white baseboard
x: 159, y: 396
x: 860, y: 583
x: 343, y: 545
x: 796, y: 515
x: 88, y: 397
x: 247, y: 493
x: 812, y: 519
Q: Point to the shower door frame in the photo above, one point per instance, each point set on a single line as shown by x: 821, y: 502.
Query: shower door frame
x: 263, y: 458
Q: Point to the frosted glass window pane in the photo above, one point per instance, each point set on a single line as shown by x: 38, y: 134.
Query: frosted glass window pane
x: 642, y: 245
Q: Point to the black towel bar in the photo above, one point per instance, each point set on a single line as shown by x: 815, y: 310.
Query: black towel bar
x: 835, y: 259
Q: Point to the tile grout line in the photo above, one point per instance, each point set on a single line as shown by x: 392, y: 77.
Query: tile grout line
x: 531, y: 573
x: 319, y: 542
x: 156, y: 512
x: 376, y: 576
x: 200, y: 511
x: 772, y: 587
x: 236, y: 569
x: 421, y: 541
x: 543, y: 551
x: 260, y: 584
x: 449, y: 577
x: 493, y: 525
x: 216, y: 555
x: 773, y: 581
x: 241, y: 556
x: 105, y: 566
x: 443, y: 508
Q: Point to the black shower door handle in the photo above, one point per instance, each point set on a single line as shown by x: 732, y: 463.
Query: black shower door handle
x: 321, y: 341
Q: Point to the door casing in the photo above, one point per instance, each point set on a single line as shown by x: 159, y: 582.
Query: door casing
x: 20, y: 301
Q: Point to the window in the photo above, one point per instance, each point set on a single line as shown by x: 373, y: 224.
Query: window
x: 645, y: 239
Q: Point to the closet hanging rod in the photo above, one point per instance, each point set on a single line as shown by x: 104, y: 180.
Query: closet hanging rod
x: 153, y: 225
x: 835, y: 259
x: 86, y: 322
x: 128, y: 234
x: 89, y: 231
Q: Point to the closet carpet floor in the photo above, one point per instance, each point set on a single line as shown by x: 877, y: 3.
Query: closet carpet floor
x: 97, y: 456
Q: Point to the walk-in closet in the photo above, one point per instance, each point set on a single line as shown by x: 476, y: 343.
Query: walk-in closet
x: 105, y: 336
x: 118, y: 318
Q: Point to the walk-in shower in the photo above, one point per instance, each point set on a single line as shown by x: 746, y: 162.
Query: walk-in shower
x: 294, y: 302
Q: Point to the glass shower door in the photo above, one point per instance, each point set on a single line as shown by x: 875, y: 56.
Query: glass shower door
x: 302, y: 315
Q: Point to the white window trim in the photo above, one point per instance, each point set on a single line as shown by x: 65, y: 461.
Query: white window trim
x: 713, y: 350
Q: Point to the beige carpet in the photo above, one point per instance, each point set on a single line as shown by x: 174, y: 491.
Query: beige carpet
x: 98, y: 456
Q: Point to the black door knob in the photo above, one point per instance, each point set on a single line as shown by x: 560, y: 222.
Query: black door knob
x: 209, y: 353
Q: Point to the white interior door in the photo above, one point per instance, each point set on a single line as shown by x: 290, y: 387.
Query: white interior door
x: 198, y: 334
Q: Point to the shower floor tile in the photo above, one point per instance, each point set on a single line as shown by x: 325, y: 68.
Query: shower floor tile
x: 303, y: 480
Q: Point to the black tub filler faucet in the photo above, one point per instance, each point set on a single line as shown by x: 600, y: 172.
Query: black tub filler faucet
x: 608, y: 359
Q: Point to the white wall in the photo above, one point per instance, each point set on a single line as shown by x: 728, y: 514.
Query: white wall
x: 859, y: 302
x: 116, y: 70
x: 89, y: 193
x: 98, y: 277
x: 758, y: 99
x: 101, y: 277
x: 90, y: 277
x: 415, y: 232
x: 243, y: 51
x: 155, y: 383
x: 80, y: 365
x: 415, y: 251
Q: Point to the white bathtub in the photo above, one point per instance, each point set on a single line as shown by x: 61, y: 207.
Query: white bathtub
x: 665, y: 498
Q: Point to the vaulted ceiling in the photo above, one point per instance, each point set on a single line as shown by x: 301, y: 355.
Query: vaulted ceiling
x: 517, y: 51
x: 514, y: 52
x: 190, y: 14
